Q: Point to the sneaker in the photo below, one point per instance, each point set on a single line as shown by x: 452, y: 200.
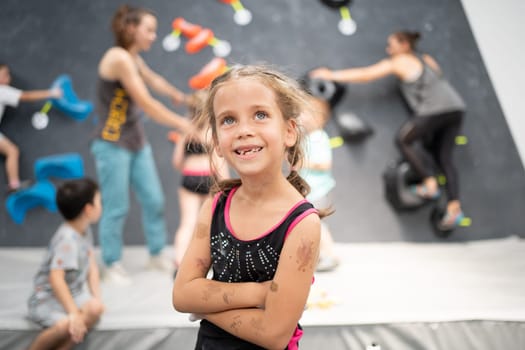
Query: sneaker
x: 327, y: 263
x: 160, y: 263
x: 451, y: 221
x: 423, y: 192
x: 117, y: 275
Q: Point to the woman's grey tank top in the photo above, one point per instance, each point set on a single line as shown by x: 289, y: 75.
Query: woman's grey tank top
x: 431, y: 94
x: 119, y: 117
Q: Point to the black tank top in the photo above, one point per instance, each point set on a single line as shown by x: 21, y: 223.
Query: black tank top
x: 235, y: 260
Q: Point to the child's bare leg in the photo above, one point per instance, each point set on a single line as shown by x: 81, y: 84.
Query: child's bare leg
x: 52, y: 337
x: 58, y: 336
x: 91, y: 311
x: 11, y: 153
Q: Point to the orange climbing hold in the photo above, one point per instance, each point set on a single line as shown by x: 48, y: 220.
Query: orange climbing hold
x: 198, y: 42
x: 174, y: 136
x: 188, y: 29
x: 210, y: 71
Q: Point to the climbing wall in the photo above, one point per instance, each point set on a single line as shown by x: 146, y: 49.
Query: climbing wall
x: 43, y: 40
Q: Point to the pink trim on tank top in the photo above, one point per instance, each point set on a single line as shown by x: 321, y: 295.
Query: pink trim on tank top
x: 298, y: 219
x: 229, y: 225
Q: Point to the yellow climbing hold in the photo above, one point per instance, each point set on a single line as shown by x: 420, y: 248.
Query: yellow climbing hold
x: 465, y: 222
x: 336, y: 141
x: 461, y: 140
x: 442, y: 180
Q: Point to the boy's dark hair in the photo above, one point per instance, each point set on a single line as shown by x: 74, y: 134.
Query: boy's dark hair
x: 73, y: 195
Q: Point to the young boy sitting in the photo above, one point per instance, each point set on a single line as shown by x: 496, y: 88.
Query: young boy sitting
x: 66, y: 299
x: 10, y: 96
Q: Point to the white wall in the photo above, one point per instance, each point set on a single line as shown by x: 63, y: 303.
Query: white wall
x: 499, y: 29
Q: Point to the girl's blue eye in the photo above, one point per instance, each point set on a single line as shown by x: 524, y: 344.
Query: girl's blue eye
x: 260, y: 115
x: 228, y: 121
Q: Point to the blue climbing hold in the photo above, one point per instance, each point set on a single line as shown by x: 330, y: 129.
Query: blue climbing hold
x: 63, y: 166
x: 69, y: 103
x: 42, y: 193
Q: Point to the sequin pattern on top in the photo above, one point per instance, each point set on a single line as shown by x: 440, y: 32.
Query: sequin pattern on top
x: 235, y: 260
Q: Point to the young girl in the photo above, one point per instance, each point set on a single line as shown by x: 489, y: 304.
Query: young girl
x: 438, y: 110
x: 123, y: 157
x: 258, y: 234
x: 198, y: 169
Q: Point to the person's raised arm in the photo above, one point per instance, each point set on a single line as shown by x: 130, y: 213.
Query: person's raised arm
x: 193, y: 293
x: 273, y: 326
x: 128, y: 74
x: 366, y: 74
x: 432, y: 63
x: 159, y: 83
x: 37, y: 95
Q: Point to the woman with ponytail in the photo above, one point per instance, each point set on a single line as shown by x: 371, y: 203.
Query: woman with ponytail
x: 123, y: 157
x: 257, y: 233
x: 438, y: 114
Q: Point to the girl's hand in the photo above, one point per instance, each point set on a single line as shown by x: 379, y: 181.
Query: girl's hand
x: 77, y: 327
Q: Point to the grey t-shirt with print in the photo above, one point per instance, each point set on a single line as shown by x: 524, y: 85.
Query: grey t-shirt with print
x: 69, y: 251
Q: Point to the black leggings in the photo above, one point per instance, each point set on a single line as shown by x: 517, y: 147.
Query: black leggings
x: 437, y: 134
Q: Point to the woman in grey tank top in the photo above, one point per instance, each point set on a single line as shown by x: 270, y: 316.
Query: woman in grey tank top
x: 437, y: 109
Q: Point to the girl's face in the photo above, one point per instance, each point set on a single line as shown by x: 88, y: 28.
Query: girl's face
x: 252, y: 134
x: 395, y: 46
x: 146, y: 32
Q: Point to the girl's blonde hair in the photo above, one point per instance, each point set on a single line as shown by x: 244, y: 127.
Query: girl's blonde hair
x: 291, y: 100
x: 124, y: 19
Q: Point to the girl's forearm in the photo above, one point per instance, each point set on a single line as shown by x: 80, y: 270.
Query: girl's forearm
x: 203, y: 296
x: 254, y: 326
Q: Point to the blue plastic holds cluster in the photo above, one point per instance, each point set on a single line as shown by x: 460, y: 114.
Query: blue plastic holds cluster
x: 69, y: 103
x: 40, y: 194
x: 43, y: 192
x: 62, y: 166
